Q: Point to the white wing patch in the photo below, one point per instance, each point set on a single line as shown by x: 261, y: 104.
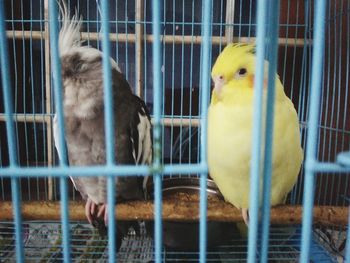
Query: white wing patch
x: 144, y: 155
x: 57, y: 145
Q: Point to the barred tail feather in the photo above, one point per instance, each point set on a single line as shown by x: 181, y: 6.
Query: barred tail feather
x: 69, y: 36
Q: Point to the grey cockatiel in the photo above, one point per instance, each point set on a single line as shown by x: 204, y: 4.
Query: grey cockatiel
x: 82, y: 79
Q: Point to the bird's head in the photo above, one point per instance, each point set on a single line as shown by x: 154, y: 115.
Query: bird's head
x: 234, y: 69
x: 233, y: 74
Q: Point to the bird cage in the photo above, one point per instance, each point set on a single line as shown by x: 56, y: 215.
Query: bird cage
x: 166, y: 50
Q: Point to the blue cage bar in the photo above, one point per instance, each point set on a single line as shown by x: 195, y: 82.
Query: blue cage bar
x: 157, y: 40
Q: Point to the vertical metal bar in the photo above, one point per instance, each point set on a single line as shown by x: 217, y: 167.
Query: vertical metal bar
x: 240, y: 20
x: 346, y: 104
x: 182, y: 82
x: 230, y: 18
x: 116, y: 31
x: 163, y: 69
x: 347, y: 250
x: 250, y: 19
x: 254, y: 194
x: 295, y: 195
x: 42, y: 109
x: 311, y: 149
x: 191, y: 85
x: 325, y: 98
x: 205, y: 85
x: 17, y: 71
x: 32, y: 99
x: 145, y: 55
x: 107, y: 80
x: 109, y: 126
x: 139, y: 28
x: 172, y: 81
x: 269, y: 126
x: 157, y: 84
x: 222, y: 24
x: 12, y: 147
x: 340, y: 114
x: 283, y: 78
x: 332, y: 134
x: 48, y: 97
x: 303, y: 83
x: 56, y: 71
x: 126, y: 22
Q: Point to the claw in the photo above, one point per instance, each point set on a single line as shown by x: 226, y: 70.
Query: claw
x: 90, y: 208
x: 103, y: 211
x: 93, y: 208
x: 106, y: 217
x: 245, y: 216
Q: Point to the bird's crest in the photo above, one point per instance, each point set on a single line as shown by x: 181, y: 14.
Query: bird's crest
x: 233, y: 56
x: 69, y: 36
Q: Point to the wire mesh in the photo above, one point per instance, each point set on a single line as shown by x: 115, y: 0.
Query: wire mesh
x: 42, y: 243
x: 131, y: 39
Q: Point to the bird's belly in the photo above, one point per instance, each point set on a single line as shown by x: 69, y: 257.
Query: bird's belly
x: 229, y: 153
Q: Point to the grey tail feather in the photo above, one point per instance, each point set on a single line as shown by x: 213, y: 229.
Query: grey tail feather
x: 69, y: 35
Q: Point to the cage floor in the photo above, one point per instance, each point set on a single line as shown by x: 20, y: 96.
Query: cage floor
x: 42, y: 243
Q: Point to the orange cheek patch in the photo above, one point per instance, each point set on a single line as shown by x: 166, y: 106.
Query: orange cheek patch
x: 251, y: 82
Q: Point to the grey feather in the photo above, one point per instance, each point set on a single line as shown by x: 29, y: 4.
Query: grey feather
x: 82, y: 78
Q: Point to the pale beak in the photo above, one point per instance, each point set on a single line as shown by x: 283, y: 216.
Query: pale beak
x: 218, y: 84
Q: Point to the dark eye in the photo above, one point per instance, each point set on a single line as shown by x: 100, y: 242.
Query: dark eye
x: 242, y: 72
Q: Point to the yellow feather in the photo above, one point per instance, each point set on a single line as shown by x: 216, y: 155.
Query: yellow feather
x: 230, y: 121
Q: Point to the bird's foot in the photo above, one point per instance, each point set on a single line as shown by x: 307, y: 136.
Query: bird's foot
x: 245, y: 215
x: 90, y: 210
x: 103, y: 211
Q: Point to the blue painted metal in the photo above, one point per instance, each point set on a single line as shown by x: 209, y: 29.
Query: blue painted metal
x: 127, y: 170
x: 12, y: 146
x: 205, y: 88
x: 319, y: 254
x: 111, y: 218
x: 347, y: 250
x: 56, y: 71
x: 109, y: 126
x: 273, y: 27
x: 65, y: 219
x: 157, y: 137
x: 311, y: 151
x: 324, y: 167
x: 107, y: 89
x: 332, y: 114
x: 255, y: 169
x: 122, y: 170
x: 344, y: 158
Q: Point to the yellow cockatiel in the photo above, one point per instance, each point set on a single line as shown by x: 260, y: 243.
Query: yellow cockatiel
x: 230, y: 122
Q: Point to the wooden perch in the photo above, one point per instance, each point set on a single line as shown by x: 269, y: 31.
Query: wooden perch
x: 182, y: 208
x: 179, y: 211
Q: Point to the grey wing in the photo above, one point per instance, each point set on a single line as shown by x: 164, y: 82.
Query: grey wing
x: 127, y: 188
x: 143, y: 150
x: 78, y: 183
x: 134, y: 146
x: 142, y: 142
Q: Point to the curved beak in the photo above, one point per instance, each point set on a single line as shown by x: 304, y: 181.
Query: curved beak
x: 218, y: 84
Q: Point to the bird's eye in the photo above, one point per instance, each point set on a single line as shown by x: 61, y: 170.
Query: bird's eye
x: 241, y: 72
